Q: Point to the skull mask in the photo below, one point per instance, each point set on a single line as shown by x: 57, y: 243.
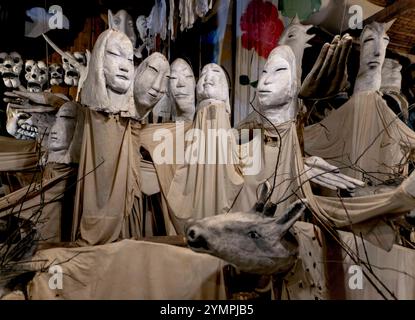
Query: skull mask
x: 36, y: 75
x: 71, y: 73
x: 10, y: 68
x: 26, y: 126
x: 55, y: 74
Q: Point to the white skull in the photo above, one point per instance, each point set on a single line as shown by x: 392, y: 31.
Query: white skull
x: 20, y: 125
x: 71, y: 77
x: 80, y: 57
x: 55, y: 74
x: 26, y: 126
x: 10, y: 68
x: 36, y: 75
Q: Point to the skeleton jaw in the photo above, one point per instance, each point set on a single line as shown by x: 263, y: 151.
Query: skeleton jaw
x: 11, y: 81
x: 34, y: 86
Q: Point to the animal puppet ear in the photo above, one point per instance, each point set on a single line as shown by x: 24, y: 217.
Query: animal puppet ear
x: 111, y: 23
x: 293, y: 213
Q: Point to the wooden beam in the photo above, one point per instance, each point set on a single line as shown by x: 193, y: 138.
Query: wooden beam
x: 391, y: 12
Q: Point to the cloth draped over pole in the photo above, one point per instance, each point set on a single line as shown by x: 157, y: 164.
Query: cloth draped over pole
x: 17, y: 155
x: 108, y: 179
x: 364, y: 138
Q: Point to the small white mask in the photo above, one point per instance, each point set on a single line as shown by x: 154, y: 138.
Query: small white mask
x: 182, y: 86
x: 62, y: 131
x: 212, y: 84
x: 55, y: 74
x: 373, y: 48
x: 36, y: 75
x: 274, y: 85
x: 150, y: 82
x: 118, y: 65
x: 10, y: 69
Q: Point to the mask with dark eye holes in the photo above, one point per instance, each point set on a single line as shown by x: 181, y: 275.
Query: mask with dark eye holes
x: 10, y: 68
x: 71, y: 76
x: 36, y: 75
x: 55, y: 74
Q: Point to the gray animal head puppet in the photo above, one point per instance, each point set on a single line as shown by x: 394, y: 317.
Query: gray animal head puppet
x: 251, y: 242
x: 36, y: 75
x: 10, y: 68
x: 373, y: 44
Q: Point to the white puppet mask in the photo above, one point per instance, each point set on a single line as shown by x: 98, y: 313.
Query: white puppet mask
x: 71, y: 76
x: 10, y: 69
x: 150, y: 82
x: 373, y: 44
x: 118, y: 65
x: 141, y: 24
x: 213, y: 84
x: 36, y: 75
x: 55, y: 74
x: 391, y: 75
x: 123, y: 22
x: 27, y: 126
x: 277, y: 86
x: 108, y: 86
x: 65, y: 138
x: 182, y: 86
x: 62, y: 131
x: 374, y: 41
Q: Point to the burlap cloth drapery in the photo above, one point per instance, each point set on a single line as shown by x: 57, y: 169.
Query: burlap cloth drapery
x: 322, y: 270
x: 365, y: 133
x: 200, y: 189
x: 130, y: 269
x: 17, y: 155
x: 44, y: 202
x: 108, y: 178
x: 292, y: 183
x: 209, y: 186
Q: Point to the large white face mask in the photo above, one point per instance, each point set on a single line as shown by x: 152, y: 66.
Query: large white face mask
x: 36, y: 75
x: 151, y: 84
x: 182, y: 85
x: 373, y: 49
x: 63, y: 129
x: 10, y: 69
x: 118, y: 64
x: 275, y: 83
x: 212, y: 84
x: 55, y: 74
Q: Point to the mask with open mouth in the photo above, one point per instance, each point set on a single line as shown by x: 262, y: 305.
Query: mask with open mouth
x: 71, y: 77
x: 29, y: 126
x: 55, y: 74
x: 10, y: 68
x: 20, y: 125
x: 36, y: 75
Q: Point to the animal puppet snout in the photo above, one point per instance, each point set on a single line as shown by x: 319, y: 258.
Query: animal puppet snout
x: 195, y: 237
